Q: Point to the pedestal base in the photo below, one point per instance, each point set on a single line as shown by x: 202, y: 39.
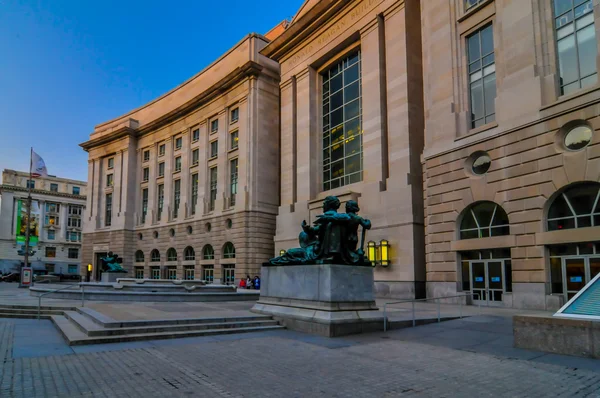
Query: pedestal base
x: 110, y: 277
x: 329, y: 299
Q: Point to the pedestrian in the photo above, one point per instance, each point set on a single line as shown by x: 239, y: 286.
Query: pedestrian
x: 248, y: 282
x: 257, y: 283
x: 242, y: 283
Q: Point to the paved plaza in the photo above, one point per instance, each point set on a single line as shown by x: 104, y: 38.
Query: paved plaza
x: 461, y: 358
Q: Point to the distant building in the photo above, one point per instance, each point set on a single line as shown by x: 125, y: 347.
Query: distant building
x: 57, y: 218
x: 186, y: 186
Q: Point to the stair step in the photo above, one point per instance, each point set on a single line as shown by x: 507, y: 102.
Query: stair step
x: 43, y: 315
x: 89, y: 327
x: 75, y: 336
x: 30, y: 311
x: 34, y: 307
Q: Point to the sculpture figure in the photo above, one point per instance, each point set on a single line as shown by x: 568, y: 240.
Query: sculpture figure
x: 113, y: 263
x: 332, y: 239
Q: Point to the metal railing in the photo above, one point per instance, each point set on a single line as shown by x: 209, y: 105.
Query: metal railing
x: 437, y: 300
x: 58, y: 290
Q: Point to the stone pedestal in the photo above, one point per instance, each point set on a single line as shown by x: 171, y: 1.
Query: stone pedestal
x: 328, y: 300
x: 111, y: 277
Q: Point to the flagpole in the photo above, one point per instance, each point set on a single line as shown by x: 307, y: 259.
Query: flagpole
x: 28, y: 224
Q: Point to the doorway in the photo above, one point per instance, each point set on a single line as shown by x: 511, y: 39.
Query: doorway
x: 229, y: 274
x: 98, y: 265
x: 488, y: 275
x: 578, y: 272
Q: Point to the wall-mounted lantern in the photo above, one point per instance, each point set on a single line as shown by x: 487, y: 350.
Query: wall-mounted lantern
x: 281, y: 252
x: 89, y: 267
x: 379, y: 253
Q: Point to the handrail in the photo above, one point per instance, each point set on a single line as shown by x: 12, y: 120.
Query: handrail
x: 58, y: 290
x: 437, y: 299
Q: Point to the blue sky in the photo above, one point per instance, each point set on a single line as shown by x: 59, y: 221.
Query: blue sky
x: 67, y: 65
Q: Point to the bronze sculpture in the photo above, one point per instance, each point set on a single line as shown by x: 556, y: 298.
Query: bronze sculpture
x: 333, y: 238
x: 112, y: 263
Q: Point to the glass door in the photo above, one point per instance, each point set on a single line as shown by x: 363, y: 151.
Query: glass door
x: 594, y: 267
x: 574, y: 275
x: 229, y: 274
x: 495, y: 285
x: 478, y: 279
x: 208, y: 274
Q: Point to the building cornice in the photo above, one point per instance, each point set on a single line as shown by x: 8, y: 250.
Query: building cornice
x: 13, y: 188
x: 249, y: 69
x: 302, y: 28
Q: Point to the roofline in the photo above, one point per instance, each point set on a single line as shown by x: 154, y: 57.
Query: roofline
x: 13, y: 188
x: 250, y: 68
x: 99, y: 127
x: 60, y: 179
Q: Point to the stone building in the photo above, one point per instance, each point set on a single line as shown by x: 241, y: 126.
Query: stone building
x: 57, y: 208
x: 186, y: 185
x: 352, y: 126
x: 511, y: 165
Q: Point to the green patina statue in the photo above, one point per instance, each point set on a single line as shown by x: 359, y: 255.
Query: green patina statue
x: 333, y: 238
x: 112, y: 263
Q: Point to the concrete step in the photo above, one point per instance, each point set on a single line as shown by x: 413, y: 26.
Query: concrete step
x: 75, y: 336
x: 91, y: 328
x: 24, y: 316
x: 34, y: 307
x: 31, y: 311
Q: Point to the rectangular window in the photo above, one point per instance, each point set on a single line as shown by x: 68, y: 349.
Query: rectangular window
x: 213, y: 187
x: 176, y: 197
x: 52, y: 220
x: 342, y: 123
x: 31, y: 184
x: 161, y: 169
x: 51, y: 252
x: 111, y: 163
x: 74, y: 236
x: 208, y: 272
x: 51, y: 234
x: 471, y: 3
x: 146, y: 156
x: 73, y: 269
x: 109, y: 180
x: 161, y: 201
x: 482, y: 76
x: 178, y: 163
x: 146, y: 174
x: 52, y: 208
x: 108, y: 213
x: 75, y: 210
x: 214, y: 126
x: 155, y: 272
x: 576, y: 44
x: 172, y: 273
x: 194, y: 192
x: 195, y: 156
x: 76, y: 190
x: 74, y: 222
x: 189, y: 272
x: 233, y: 139
x: 73, y: 252
x: 235, y: 115
x: 161, y: 150
x: 139, y: 272
x: 178, y: 143
x: 53, y: 187
x: 144, y: 204
x: 195, y: 135
x: 233, y: 180
x: 49, y: 268
x: 214, y: 149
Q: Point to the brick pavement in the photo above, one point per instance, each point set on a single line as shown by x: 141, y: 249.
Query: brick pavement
x: 282, y: 364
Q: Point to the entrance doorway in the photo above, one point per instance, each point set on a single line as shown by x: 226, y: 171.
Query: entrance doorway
x: 487, y: 274
x: 573, y: 266
x: 228, y: 274
x: 208, y: 273
x: 98, y: 265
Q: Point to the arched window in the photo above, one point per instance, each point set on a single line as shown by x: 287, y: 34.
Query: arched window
x: 171, y: 255
x: 155, y: 256
x: 189, y: 254
x: 228, y: 250
x: 482, y: 220
x: 208, y: 253
x: 139, y: 256
x: 576, y: 207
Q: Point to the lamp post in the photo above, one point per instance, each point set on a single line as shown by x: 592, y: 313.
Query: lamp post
x: 89, y: 271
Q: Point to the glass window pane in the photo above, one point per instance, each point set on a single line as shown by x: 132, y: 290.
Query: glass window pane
x: 337, y: 169
x: 487, y: 40
x: 337, y: 100
x: 483, y: 213
x: 473, y: 48
x: 580, y: 14
x: 336, y: 83
x: 468, y: 222
x: 561, y: 6
x: 353, y: 145
x: 582, y: 198
x: 337, y: 117
x: 556, y: 275
x: 589, y: 81
x: 475, y: 66
x: 352, y: 110
x: 567, y: 59
x: 466, y: 277
x: 471, y: 234
x: 353, y: 164
x: 567, y: 223
x: 489, y: 86
x: 351, y: 92
x: 337, y: 152
x: 586, y: 42
x: 351, y: 74
x: 559, y: 208
x: 564, y: 19
x: 477, y: 100
x: 508, y: 275
x: 352, y: 59
x: 337, y: 134
x: 565, y: 31
x: 352, y: 128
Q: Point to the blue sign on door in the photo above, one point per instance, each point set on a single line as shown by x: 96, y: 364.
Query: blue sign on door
x: 495, y: 279
x: 479, y: 279
x: 576, y: 279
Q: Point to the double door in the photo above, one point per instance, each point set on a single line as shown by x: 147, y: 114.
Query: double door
x: 577, y: 272
x: 487, y: 281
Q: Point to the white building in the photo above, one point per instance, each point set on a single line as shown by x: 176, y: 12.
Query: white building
x: 57, y: 217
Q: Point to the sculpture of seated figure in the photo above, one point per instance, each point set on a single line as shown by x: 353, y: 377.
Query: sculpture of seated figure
x: 113, y: 263
x: 332, y: 239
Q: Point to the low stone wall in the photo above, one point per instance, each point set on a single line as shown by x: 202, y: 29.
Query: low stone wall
x: 577, y: 337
